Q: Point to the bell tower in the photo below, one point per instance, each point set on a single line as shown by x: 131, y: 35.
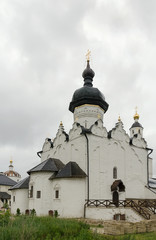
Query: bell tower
x: 136, y: 129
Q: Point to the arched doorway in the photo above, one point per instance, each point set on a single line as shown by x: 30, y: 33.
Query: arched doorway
x: 116, y: 198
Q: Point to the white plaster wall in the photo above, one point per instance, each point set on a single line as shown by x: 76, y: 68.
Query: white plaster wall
x: 150, y: 194
x: 108, y: 213
x: 4, y: 188
x: 150, y: 161
x: 21, y: 200
x: 88, y: 114
x: 104, y: 154
x: 136, y: 172
x: 72, y: 197
x: 41, y: 182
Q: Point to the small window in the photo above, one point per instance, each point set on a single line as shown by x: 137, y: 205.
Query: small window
x: 13, y: 198
x: 115, y: 172
x: 138, y: 130
x: 38, y: 195
x: 31, y: 192
x: 57, y: 194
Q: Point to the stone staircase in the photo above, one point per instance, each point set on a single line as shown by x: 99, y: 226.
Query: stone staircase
x: 146, y: 208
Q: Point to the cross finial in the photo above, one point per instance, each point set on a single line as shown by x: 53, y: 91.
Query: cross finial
x: 136, y: 116
x: 136, y: 109
x: 88, y: 55
x: 119, y: 119
x: 11, y: 160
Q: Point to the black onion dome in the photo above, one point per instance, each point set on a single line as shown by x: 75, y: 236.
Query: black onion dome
x: 88, y: 94
x: 136, y: 124
x: 88, y: 74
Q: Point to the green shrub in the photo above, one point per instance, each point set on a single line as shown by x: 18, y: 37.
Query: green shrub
x: 33, y: 212
x: 6, y: 206
x: 4, y: 218
x: 26, y: 227
x: 18, y: 212
x: 55, y: 213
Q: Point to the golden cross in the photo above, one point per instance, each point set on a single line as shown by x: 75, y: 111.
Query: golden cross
x: 88, y: 55
x: 136, y: 109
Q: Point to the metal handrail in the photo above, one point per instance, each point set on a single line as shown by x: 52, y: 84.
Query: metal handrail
x: 138, y: 206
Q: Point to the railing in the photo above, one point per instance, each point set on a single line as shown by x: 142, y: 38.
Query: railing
x: 140, y: 206
x: 149, y: 204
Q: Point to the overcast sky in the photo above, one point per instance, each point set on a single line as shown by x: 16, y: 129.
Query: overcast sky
x: 42, y: 56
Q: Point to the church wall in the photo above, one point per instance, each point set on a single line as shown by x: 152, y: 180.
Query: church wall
x: 150, y: 161
x: 4, y: 188
x: 105, y: 154
x: 40, y: 182
x: 19, y: 199
x: 149, y: 194
x: 108, y: 213
x: 136, y: 172
x: 74, y: 150
x: 131, y: 163
x: 88, y: 114
x: 71, y: 197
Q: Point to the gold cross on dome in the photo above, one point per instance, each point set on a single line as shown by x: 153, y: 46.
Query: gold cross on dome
x: 136, y: 109
x: 88, y: 55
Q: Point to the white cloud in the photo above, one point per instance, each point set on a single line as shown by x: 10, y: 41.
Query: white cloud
x: 42, y: 45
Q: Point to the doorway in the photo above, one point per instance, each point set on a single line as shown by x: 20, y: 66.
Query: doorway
x: 116, y: 198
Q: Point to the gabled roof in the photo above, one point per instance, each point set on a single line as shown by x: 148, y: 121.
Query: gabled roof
x: 23, y: 184
x: 4, y: 180
x: 49, y: 165
x: 4, y: 195
x: 71, y: 170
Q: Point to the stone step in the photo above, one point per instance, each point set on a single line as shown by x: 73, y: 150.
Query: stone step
x: 153, y: 216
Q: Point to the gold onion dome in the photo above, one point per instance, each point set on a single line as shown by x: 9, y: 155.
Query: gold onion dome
x: 136, y: 116
x: 119, y: 119
x: 136, y: 123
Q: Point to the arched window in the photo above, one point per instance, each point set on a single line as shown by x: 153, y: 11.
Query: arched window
x: 31, y: 192
x: 115, y: 172
x: 57, y: 191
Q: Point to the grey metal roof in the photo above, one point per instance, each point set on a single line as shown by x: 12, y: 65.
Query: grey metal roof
x: 71, y: 170
x: 4, y: 195
x: 23, y: 184
x: 4, y: 180
x: 136, y: 124
x: 49, y: 165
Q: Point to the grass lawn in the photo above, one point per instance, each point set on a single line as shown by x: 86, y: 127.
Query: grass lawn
x: 46, y: 228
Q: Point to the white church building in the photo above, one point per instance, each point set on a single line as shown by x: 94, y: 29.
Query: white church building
x: 90, y: 172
